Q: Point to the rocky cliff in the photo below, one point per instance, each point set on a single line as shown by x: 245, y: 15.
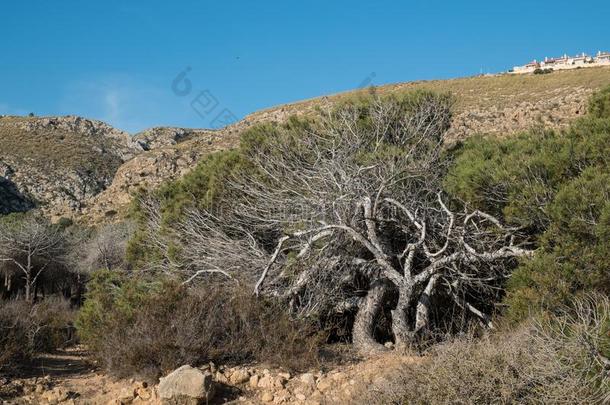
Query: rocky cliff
x: 58, y: 163
x: 87, y: 170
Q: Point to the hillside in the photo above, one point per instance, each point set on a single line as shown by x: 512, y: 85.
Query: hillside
x: 79, y: 168
x: 58, y: 163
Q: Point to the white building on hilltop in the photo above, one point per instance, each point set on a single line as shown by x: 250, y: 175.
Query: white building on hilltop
x: 564, y: 62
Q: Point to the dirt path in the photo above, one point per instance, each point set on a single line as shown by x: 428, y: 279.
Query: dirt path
x: 69, y: 377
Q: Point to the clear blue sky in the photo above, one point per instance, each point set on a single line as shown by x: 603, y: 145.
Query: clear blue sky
x: 116, y: 60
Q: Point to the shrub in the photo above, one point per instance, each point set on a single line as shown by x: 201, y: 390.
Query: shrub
x: 599, y: 106
x: 539, y: 71
x: 556, y: 187
x: 26, y: 328
x: 138, y: 327
x: 557, y: 361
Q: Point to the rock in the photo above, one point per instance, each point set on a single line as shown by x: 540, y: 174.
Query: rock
x: 308, y: 379
x: 239, y: 376
x: 267, y: 397
x: 126, y: 396
x: 324, y: 385
x: 389, y: 345
x: 300, y: 397
x: 254, y: 381
x: 279, y: 382
x: 287, y: 376
x: 55, y: 396
x: 266, y: 381
x: 186, y: 385
x: 339, y: 376
x: 281, y: 396
x: 143, y: 393
x: 221, y: 378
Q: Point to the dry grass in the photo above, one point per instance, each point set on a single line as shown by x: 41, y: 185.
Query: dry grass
x: 172, y: 327
x: 477, y: 92
x: 56, y: 149
x: 557, y: 361
x: 27, y: 329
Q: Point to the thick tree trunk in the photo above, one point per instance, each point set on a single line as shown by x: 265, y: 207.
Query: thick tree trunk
x: 364, y: 324
x: 403, y: 335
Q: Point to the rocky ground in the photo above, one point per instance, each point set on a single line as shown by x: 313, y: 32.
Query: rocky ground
x: 68, y: 378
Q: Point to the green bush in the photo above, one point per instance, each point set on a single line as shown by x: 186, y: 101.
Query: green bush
x: 206, y: 185
x: 556, y: 187
x: 134, y: 327
x: 599, y: 106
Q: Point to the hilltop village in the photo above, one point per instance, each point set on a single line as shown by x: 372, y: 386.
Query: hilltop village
x: 564, y: 62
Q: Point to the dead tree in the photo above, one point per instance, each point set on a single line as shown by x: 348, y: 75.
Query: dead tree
x: 356, y: 193
x: 29, y: 246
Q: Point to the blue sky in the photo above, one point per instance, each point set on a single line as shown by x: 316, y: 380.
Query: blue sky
x: 116, y: 60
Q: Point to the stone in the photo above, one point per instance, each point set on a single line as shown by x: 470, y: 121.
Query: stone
x: 324, y: 384
x: 308, y: 379
x: 126, y: 396
x: 254, y: 381
x: 281, y: 396
x: 300, y: 397
x: 221, y: 378
x: 287, y: 376
x: 239, y: 376
x: 389, y: 345
x: 279, y: 382
x: 143, y: 393
x: 186, y: 385
x: 267, y: 397
x: 266, y: 381
x: 56, y: 395
x: 339, y: 376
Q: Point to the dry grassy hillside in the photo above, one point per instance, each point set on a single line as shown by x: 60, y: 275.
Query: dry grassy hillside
x: 82, y: 168
x: 500, y: 104
x: 477, y: 92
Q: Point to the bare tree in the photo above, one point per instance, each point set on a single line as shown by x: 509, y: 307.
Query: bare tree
x: 29, y: 246
x: 354, y: 199
x: 103, y: 249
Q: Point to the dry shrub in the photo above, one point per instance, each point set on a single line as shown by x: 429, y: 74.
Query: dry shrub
x: 170, y: 326
x: 27, y: 329
x: 562, y: 360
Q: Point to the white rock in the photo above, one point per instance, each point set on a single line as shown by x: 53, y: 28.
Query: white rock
x: 186, y: 384
x: 308, y: 379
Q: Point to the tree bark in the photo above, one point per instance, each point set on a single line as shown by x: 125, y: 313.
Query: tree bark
x: 403, y: 335
x: 28, y: 286
x: 364, y: 324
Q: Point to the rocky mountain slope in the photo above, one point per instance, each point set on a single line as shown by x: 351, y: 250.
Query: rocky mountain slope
x: 58, y: 163
x: 85, y: 169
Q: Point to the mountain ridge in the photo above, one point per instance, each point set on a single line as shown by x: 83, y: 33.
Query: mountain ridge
x: 87, y: 170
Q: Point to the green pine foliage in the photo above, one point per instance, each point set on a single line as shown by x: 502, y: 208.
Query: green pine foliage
x: 556, y: 185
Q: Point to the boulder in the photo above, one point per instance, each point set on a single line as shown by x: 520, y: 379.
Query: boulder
x: 239, y: 376
x: 186, y: 385
x: 308, y: 378
x: 267, y: 397
x: 254, y: 381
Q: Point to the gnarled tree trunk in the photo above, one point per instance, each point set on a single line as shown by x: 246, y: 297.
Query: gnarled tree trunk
x: 364, y: 324
x: 400, y: 317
